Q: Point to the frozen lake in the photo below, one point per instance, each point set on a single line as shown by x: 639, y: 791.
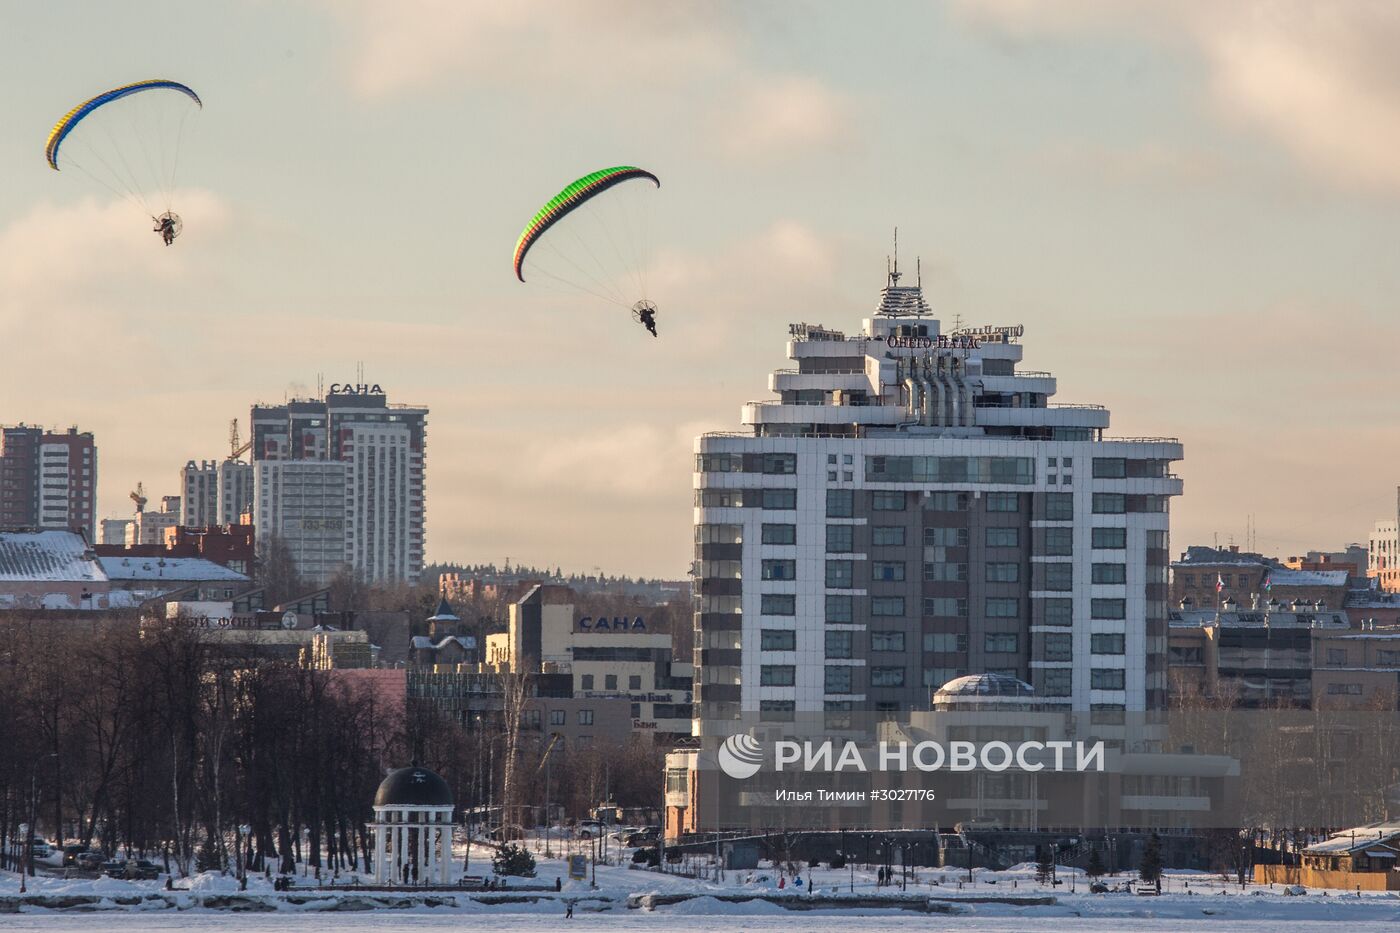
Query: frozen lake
x: 1049, y: 921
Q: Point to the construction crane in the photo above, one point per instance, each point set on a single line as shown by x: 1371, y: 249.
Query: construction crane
x: 236, y: 449
x: 138, y: 495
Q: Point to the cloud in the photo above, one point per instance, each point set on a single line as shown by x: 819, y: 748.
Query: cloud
x: 643, y: 54
x: 92, y: 278
x: 773, y: 116
x: 405, y: 45
x: 1320, y: 79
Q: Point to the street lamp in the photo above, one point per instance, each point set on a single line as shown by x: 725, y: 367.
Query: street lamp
x: 28, y: 831
x: 244, y: 832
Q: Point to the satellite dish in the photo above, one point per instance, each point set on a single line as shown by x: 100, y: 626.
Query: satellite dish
x: 289, y: 619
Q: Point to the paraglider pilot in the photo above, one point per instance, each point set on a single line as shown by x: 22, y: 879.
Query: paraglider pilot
x: 165, y: 226
x: 648, y: 318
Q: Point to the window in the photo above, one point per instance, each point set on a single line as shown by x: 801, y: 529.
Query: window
x: 840, y: 608
x: 609, y: 681
x: 777, y: 639
x: 779, y: 499
x: 1059, y: 646
x: 1059, y: 578
x: 1110, y: 573
x: 1002, y: 608
x: 1001, y: 643
x: 840, y: 574
x: 839, y: 679
x: 887, y: 606
x: 887, y: 641
x: 1110, y: 503
x: 1112, y: 539
x: 887, y: 571
x: 1337, y: 656
x: 1108, y: 609
x: 780, y: 464
x: 777, y: 604
x: 840, y: 503
x: 945, y: 537
x: 902, y: 469
x: 1189, y: 655
x: 1003, y: 537
x: 585, y: 717
x: 947, y: 502
x: 887, y: 500
x: 776, y: 710
x: 945, y: 573
x: 556, y: 717
x: 1106, y: 678
x: 840, y: 645
x: 1059, y: 542
x: 1110, y: 468
x: 840, y: 539
x: 586, y: 682
x: 779, y: 534
x: 1057, y: 682
x: 1387, y: 657
x: 887, y: 677
x: 634, y: 681
x: 779, y: 569
x: 1344, y: 690
x: 945, y: 607
x: 887, y: 536
x: 718, y: 463
x: 777, y: 675
x: 945, y: 642
x: 1003, y: 573
x: 1100, y: 643
x: 1003, y: 502
x: 1059, y: 506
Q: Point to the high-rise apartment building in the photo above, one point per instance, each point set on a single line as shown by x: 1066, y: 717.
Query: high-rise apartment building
x: 912, y: 508
x: 380, y: 450
x: 235, y: 491
x: 48, y: 480
x: 199, y: 493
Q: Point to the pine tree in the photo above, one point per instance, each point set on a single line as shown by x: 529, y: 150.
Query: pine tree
x: 1150, y: 870
x: 1095, y: 867
x: 1044, y: 867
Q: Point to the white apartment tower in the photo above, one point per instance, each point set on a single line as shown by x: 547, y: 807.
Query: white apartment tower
x: 379, y: 450
x: 912, y: 507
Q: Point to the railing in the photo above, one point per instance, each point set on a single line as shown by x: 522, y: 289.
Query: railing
x: 1140, y: 440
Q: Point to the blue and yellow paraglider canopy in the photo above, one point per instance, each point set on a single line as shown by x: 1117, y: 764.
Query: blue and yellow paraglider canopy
x: 75, y: 116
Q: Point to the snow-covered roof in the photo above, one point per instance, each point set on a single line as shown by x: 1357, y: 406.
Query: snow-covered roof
x: 424, y: 643
x: 52, y: 556
x: 1308, y: 577
x: 1358, y: 839
x: 189, y: 569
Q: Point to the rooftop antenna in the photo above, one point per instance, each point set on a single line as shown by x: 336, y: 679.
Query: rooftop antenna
x: 894, y: 274
x: 919, y: 271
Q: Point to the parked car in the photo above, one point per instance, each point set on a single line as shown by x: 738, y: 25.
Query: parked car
x: 40, y: 847
x: 137, y: 868
x: 71, y: 853
x: 646, y: 836
x: 89, y: 861
x: 587, y: 829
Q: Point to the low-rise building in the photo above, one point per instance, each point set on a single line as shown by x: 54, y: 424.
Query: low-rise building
x: 1205, y: 578
x: 1363, y: 858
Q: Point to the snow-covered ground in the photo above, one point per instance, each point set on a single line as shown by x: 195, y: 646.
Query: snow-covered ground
x: 1190, y: 901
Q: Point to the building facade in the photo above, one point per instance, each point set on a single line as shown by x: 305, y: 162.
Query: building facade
x: 199, y: 492
x: 378, y: 451
x: 302, y: 503
x: 912, y: 509
x: 48, y: 480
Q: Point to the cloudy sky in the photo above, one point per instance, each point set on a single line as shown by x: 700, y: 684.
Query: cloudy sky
x: 1191, y: 207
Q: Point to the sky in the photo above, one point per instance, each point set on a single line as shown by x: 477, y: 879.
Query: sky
x: 1192, y: 208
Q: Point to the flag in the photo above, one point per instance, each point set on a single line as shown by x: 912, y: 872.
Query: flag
x: 1268, y: 582
x: 1219, y: 583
